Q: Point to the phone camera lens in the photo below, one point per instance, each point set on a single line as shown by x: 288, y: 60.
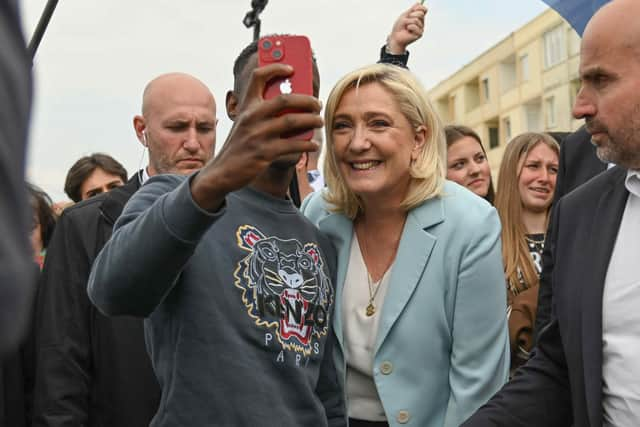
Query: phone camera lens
x: 277, y: 54
x: 266, y: 45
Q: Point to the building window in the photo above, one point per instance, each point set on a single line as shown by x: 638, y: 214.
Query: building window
x: 485, y: 89
x: 506, y: 127
x: 533, y: 116
x: 471, y: 95
x: 524, y: 68
x: 494, y: 139
x: 554, y: 47
x: 550, y: 107
x: 508, y: 74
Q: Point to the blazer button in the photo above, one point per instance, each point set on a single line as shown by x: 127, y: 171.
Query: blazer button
x: 403, y: 417
x: 386, y: 368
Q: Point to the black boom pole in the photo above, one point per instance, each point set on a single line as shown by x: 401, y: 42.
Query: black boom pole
x: 41, y: 27
x: 252, y: 18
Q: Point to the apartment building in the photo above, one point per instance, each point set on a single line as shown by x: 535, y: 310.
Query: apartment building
x: 526, y: 82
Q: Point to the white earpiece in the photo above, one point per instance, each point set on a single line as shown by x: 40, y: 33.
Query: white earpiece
x: 144, y: 139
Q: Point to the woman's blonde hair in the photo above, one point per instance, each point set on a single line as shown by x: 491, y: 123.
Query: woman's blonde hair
x: 518, y: 264
x: 427, y: 172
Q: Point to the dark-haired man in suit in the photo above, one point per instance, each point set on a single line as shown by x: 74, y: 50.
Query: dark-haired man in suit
x: 585, y: 371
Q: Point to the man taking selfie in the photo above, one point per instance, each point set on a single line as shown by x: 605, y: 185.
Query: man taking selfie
x: 235, y: 284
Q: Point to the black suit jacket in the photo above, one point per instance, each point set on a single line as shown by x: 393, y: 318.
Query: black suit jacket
x: 92, y: 370
x: 578, y: 164
x: 561, y: 385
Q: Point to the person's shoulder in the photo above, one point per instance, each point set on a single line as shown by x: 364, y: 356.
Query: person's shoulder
x: 592, y: 189
x: 156, y: 186
x: 79, y: 220
x: 576, y: 150
x: 580, y: 139
x: 93, y: 207
x: 320, y: 237
x: 125, y: 190
x: 315, y: 207
x: 116, y: 199
x: 460, y: 201
x: 165, y: 180
x: 83, y: 208
x: 460, y: 211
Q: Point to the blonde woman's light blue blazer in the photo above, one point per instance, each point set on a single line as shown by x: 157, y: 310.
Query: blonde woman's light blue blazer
x: 442, y: 348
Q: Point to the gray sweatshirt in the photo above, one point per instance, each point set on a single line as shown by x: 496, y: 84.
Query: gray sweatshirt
x: 238, y: 306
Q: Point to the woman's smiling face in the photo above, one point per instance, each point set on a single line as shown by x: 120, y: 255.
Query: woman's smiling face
x: 468, y: 165
x: 374, y: 143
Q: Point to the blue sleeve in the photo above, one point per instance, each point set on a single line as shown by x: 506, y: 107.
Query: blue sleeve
x: 314, y: 207
x: 480, y: 340
x: 544, y: 376
x: 153, y: 239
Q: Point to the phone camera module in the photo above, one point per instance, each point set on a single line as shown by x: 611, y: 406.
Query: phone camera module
x: 266, y: 45
x: 277, y: 54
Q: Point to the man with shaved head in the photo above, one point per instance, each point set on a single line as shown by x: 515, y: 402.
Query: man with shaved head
x: 93, y: 370
x: 585, y: 370
x: 177, y: 124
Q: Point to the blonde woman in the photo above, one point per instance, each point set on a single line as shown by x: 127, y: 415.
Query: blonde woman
x: 526, y: 185
x: 420, y: 302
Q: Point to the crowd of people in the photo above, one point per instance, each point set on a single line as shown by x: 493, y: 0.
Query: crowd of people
x: 397, y: 283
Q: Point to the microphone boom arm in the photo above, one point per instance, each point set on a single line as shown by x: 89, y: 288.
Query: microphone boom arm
x: 252, y: 18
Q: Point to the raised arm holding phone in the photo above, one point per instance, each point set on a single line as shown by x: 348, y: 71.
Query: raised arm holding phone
x: 256, y: 140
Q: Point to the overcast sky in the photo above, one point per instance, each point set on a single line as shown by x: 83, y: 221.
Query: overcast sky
x: 97, y: 56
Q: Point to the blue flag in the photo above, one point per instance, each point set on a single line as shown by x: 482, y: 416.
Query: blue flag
x: 576, y: 12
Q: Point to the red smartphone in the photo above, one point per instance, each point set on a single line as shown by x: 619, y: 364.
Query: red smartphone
x: 296, y: 52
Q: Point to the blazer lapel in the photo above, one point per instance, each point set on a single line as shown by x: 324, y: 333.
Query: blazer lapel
x: 339, y: 229
x: 413, y: 254
x: 608, y: 216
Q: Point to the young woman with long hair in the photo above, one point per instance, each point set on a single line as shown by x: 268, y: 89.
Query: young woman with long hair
x: 526, y: 184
